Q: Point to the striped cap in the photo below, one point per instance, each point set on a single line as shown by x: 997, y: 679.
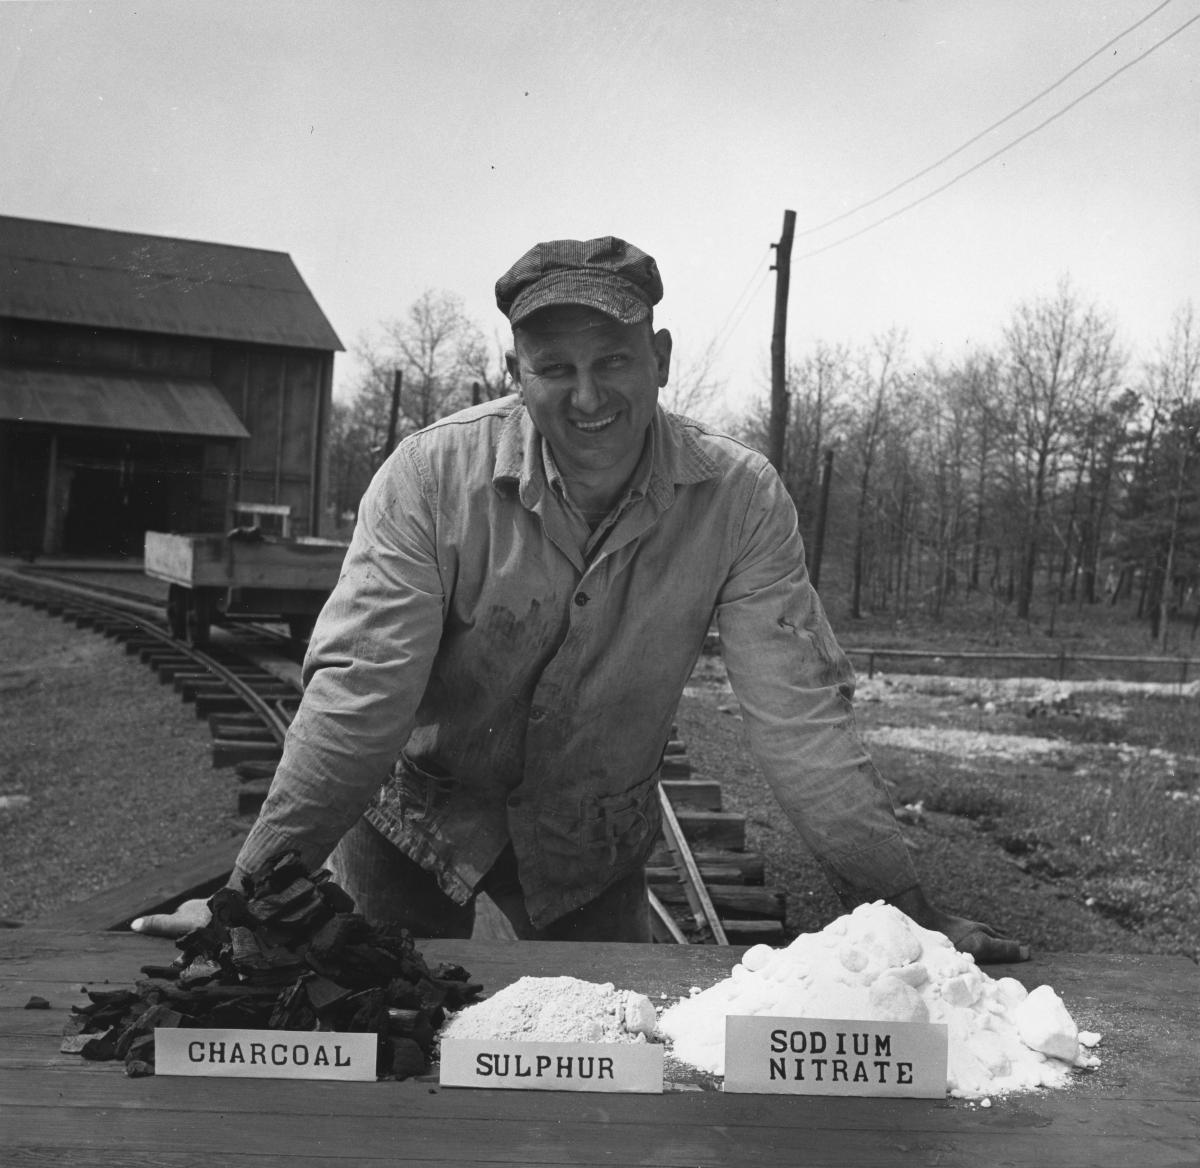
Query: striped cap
x: 607, y: 274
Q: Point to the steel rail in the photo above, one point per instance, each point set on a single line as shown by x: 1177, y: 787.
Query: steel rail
x: 103, y: 603
x: 699, y: 901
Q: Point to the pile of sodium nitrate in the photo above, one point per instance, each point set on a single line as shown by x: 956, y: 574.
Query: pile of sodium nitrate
x: 875, y: 964
x: 556, y: 1009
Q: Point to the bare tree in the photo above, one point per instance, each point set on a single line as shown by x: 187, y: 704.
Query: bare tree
x: 1061, y: 362
x: 694, y: 389
x: 1173, y: 393
x: 881, y: 380
x: 439, y: 354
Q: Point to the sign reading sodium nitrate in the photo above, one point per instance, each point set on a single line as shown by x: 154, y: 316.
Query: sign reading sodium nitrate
x: 823, y: 1056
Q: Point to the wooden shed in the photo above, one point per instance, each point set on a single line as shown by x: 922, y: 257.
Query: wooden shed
x: 154, y: 383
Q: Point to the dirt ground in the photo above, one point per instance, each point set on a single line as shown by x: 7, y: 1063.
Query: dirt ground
x: 959, y: 867
x: 104, y: 772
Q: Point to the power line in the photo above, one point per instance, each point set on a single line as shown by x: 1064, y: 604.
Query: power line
x: 759, y: 273
x: 1003, y: 149
x: 983, y: 133
x: 762, y: 276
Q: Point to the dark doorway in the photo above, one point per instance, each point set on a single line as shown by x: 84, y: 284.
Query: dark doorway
x: 114, y: 491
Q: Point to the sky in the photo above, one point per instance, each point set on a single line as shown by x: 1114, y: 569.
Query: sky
x: 399, y: 146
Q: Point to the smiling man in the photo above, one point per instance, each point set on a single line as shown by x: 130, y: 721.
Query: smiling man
x: 491, y: 686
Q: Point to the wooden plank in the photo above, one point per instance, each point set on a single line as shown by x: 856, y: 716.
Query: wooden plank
x: 755, y: 932
x: 713, y: 829
x: 700, y: 794
x: 742, y: 867
x: 653, y: 1131
x: 1139, y: 1108
x: 731, y: 900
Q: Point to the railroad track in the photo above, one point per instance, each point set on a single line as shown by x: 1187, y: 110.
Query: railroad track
x: 705, y: 888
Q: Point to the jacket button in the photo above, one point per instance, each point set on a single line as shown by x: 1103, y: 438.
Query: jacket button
x: 536, y: 714
x: 581, y: 598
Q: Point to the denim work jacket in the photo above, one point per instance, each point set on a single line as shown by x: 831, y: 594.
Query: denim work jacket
x: 526, y: 678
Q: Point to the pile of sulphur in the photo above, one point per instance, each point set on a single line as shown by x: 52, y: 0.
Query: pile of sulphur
x: 875, y: 964
x: 556, y: 1009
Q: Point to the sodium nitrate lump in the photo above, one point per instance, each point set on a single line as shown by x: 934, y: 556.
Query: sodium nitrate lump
x: 875, y: 964
x: 557, y: 1009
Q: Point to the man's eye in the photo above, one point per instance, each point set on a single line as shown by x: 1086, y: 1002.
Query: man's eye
x: 615, y: 359
x: 552, y: 370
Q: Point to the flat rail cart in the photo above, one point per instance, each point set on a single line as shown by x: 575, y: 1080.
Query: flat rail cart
x: 215, y: 578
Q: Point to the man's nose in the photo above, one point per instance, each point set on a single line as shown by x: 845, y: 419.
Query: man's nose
x: 586, y: 395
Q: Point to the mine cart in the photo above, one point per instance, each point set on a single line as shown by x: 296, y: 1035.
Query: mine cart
x: 242, y: 574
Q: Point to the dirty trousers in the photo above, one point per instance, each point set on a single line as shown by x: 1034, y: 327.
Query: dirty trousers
x: 389, y: 888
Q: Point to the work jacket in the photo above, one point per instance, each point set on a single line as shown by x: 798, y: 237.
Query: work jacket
x: 487, y: 670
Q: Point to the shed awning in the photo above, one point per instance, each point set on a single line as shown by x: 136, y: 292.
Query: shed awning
x: 59, y: 397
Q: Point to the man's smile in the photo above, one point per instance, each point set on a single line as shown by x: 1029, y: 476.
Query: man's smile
x: 598, y: 424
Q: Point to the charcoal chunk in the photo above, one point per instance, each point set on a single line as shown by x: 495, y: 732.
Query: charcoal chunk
x: 289, y: 953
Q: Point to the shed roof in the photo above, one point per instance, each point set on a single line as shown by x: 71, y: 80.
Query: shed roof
x: 151, y: 283
x: 156, y: 404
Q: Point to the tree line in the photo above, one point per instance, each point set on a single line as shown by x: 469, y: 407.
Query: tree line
x: 1050, y: 468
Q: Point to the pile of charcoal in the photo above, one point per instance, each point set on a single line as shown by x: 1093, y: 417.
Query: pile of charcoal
x: 290, y: 953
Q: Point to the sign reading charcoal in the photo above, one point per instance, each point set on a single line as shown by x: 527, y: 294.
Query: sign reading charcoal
x: 820, y: 1056
x: 552, y: 1066
x: 265, y: 1054
x: 289, y: 954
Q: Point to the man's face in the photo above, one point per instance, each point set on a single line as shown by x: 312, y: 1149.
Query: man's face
x: 591, y: 387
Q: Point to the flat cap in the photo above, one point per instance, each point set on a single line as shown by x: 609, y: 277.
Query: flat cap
x: 607, y: 274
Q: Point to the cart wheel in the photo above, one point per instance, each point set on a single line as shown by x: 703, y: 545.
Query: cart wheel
x: 177, y: 606
x: 199, y: 617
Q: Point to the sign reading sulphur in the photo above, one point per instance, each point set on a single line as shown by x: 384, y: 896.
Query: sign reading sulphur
x: 265, y: 1054
x: 552, y: 1066
x: 821, y: 1056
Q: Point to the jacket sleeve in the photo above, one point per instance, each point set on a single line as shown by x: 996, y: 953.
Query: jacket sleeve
x: 367, y: 665
x: 795, y: 687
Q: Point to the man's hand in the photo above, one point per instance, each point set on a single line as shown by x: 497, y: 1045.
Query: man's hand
x: 191, y: 914
x: 981, y: 941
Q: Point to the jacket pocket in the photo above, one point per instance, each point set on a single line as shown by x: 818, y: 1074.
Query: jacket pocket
x: 424, y: 795
x: 609, y: 834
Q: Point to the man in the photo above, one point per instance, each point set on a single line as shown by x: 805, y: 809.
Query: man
x: 491, y: 684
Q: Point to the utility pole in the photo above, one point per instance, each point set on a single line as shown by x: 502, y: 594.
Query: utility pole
x: 779, y: 395
x: 394, y: 416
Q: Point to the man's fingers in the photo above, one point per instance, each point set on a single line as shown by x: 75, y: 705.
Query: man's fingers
x: 987, y: 947
x: 192, y: 914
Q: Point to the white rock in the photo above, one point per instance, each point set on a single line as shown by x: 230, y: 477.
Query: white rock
x: 1045, y: 1025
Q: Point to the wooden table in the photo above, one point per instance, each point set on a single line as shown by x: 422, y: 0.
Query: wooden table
x: 1140, y: 1108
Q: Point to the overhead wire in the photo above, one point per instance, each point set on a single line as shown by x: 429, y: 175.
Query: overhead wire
x: 912, y: 178
x: 755, y: 273
x: 1002, y: 150
x: 719, y: 346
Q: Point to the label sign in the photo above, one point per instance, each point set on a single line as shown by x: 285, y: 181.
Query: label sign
x: 265, y: 1054
x: 822, y: 1056
x: 552, y: 1066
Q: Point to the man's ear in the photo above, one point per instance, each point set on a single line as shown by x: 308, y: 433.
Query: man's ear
x: 514, y: 370
x: 662, y: 355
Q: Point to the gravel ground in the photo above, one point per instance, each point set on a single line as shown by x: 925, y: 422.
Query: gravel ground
x: 104, y: 772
